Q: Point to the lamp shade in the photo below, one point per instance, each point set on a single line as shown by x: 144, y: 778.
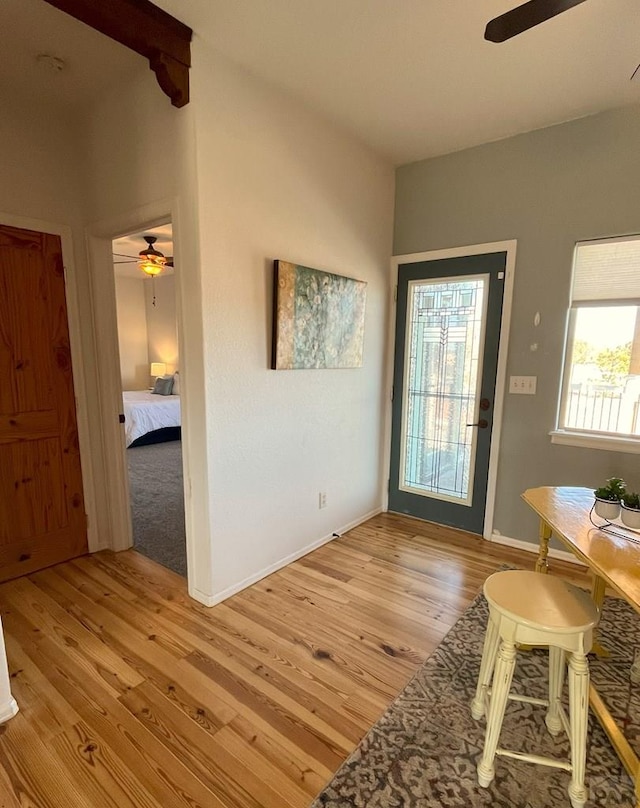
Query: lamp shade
x: 158, y: 369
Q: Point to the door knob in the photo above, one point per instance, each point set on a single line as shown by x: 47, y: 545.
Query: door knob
x: 484, y: 403
x: 481, y: 424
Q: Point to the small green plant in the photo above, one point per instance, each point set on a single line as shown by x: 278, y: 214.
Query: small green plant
x: 632, y: 500
x: 613, y: 491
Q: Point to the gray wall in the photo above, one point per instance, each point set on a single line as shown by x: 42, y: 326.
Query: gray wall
x: 547, y: 189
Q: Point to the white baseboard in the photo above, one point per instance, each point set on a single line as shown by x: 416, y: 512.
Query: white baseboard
x: 529, y: 547
x: 212, y: 600
x: 8, y: 710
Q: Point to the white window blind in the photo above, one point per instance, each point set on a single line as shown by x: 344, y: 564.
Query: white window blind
x: 607, y: 271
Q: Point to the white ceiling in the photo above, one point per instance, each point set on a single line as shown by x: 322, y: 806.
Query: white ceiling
x: 415, y: 78
x: 412, y: 78
x: 131, y: 245
x: 93, y: 63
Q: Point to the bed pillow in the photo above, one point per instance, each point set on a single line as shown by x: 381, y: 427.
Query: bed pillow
x: 163, y: 386
x: 176, y: 383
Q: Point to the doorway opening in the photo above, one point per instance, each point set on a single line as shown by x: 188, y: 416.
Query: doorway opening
x: 150, y: 386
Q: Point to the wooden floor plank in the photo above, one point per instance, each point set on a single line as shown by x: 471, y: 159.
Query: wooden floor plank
x: 135, y: 757
x: 281, y: 790
x: 8, y: 798
x: 133, y: 695
x: 308, y: 774
x: 92, y: 769
x: 38, y: 777
x: 367, y: 633
x: 48, y: 713
x: 284, y: 684
x: 195, y: 746
x: 255, y: 704
x: 44, y: 613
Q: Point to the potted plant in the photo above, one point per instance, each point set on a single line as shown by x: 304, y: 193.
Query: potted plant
x: 631, y: 510
x: 608, y: 498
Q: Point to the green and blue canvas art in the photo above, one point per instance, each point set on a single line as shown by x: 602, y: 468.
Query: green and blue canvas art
x: 318, y: 319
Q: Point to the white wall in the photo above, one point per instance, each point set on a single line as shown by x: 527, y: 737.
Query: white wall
x: 249, y: 176
x: 139, y: 170
x: 275, y: 181
x: 132, y: 333
x: 547, y: 189
x: 162, y: 332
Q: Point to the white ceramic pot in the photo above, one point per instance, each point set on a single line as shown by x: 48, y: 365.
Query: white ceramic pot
x: 630, y: 517
x: 607, y: 509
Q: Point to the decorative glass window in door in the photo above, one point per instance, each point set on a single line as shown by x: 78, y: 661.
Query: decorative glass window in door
x: 445, y: 331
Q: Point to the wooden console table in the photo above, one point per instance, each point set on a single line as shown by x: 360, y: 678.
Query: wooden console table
x: 614, y: 561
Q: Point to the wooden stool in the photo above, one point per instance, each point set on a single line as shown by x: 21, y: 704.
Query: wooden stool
x: 533, y: 609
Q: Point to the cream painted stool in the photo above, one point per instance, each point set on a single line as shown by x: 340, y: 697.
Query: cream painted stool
x: 533, y: 609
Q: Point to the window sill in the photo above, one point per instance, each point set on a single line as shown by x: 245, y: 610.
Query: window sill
x: 587, y: 440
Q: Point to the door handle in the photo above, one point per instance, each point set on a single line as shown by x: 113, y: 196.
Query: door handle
x: 484, y: 403
x: 482, y: 424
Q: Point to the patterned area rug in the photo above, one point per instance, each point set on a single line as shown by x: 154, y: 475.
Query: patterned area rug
x: 423, y: 751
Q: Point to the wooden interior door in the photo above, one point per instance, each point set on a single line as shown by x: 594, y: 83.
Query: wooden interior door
x: 42, y: 518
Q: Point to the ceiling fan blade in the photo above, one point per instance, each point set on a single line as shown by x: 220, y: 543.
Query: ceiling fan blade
x: 123, y: 255
x: 130, y: 261
x: 524, y: 17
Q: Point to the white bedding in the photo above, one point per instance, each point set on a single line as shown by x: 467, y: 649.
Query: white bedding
x: 145, y: 411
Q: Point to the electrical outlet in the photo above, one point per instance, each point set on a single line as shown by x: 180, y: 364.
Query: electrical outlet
x: 322, y: 500
x: 523, y: 385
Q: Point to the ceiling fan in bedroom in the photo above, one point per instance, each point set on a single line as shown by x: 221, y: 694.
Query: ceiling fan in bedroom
x: 150, y: 260
x: 526, y: 16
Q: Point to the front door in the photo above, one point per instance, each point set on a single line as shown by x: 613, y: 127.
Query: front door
x: 447, y: 338
x: 42, y: 518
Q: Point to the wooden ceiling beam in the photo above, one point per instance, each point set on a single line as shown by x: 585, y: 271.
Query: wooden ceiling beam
x: 145, y: 29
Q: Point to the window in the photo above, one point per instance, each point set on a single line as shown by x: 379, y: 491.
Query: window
x: 600, y: 400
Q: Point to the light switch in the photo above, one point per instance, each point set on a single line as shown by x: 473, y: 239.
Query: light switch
x: 523, y: 385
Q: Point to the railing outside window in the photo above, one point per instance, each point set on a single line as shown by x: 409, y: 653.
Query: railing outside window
x: 602, y: 408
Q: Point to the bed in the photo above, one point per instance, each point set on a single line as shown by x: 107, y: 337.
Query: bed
x: 150, y: 418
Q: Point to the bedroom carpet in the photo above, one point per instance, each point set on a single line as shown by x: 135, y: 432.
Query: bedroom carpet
x: 157, y: 503
x: 423, y: 752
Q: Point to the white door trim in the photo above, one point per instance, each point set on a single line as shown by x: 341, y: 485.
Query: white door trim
x: 435, y: 255
x: 89, y: 455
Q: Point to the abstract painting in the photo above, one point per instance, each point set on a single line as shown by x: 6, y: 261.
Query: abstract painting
x: 318, y: 319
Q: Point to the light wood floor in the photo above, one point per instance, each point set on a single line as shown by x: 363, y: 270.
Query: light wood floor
x: 131, y: 694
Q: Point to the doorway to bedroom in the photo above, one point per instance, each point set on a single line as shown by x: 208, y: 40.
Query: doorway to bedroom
x: 150, y: 382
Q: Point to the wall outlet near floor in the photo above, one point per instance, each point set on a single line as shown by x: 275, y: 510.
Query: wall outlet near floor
x: 524, y: 385
x: 322, y: 500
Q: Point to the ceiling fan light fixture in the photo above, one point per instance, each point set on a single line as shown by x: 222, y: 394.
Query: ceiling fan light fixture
x: 149, y: 253
x: 149, y: 260
x: 151, y: 268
